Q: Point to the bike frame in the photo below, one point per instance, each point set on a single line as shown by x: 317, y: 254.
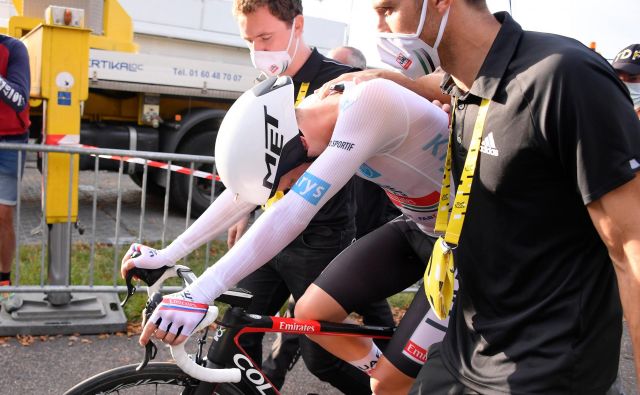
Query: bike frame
x: 226, y: 351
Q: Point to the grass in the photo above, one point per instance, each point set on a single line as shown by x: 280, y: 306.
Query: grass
x: 401, y: 300
x: 104, y: 267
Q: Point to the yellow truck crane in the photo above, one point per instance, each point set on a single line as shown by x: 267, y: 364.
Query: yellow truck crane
x: 161, y: 74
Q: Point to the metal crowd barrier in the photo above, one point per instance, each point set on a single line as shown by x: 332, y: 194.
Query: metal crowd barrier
x: 96, y: 152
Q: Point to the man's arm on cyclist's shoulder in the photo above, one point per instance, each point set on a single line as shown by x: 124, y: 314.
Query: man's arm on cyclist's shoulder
x: 427, y: 86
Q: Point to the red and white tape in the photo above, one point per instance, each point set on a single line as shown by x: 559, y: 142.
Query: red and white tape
x: 74, y: 140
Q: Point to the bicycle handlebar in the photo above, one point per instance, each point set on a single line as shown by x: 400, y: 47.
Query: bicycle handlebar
x: 196, y: 371
x: 182, y: 358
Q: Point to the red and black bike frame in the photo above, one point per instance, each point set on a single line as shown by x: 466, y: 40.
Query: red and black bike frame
x: 226, y: 351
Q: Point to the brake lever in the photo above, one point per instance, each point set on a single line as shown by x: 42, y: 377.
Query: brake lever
x: 131, y: 289
x: 148, y: 276
x: 150, y: 349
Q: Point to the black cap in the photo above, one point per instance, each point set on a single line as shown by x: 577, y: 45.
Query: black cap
x: 628, y: 60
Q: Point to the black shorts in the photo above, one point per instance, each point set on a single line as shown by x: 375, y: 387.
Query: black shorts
x: 381, y: 264
x: 435, y: 379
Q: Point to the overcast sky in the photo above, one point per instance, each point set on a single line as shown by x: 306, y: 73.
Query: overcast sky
x: 612, y: 24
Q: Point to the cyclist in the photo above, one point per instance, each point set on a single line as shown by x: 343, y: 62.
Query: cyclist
x: 377, y: 130
x: 274, y: 33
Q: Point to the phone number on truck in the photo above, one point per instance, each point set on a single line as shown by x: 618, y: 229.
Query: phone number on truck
x: 216, y: 75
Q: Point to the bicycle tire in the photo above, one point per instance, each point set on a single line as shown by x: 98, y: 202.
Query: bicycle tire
x: 163, y: 377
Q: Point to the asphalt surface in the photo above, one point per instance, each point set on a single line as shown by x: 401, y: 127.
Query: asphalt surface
x: 50, y: 365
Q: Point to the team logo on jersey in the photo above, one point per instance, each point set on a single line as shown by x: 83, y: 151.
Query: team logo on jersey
x: 488, y: 146
x: 350, y: 95
x: 414, y: 352
x: 438, y: 146
x: 428, y: 203
x: 346, y: 102
x: 368, y: 172
x: 345, y: 145
x: 311, y: 188
x: 633, y: 163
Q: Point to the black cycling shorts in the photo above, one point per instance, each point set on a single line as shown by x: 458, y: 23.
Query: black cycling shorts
x: 381, y: 264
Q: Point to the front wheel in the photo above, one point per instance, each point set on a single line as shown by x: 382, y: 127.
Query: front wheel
x: 155, y: 378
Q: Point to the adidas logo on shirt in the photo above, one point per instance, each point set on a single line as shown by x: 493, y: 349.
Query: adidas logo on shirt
x: 488, y: 146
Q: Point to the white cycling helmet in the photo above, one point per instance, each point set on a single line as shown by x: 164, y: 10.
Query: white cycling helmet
x: 259, y: 141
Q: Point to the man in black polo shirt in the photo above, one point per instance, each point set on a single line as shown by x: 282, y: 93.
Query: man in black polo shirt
x: 273, y: 29
x: 552, y: 218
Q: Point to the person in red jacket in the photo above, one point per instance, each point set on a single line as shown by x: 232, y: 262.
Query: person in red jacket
x: 15, y: 82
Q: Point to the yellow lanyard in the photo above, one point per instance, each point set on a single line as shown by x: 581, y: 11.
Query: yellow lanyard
x: 302, y: 93
x: 439, y: 276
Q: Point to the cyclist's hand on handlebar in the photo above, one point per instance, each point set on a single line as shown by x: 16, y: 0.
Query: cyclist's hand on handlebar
x: 143, y: 257
x: 174, y: 319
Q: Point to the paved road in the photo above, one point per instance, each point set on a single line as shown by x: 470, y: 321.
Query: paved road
x: 54, y: 365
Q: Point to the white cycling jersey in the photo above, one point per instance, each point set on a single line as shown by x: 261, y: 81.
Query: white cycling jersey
x: 384, y: 133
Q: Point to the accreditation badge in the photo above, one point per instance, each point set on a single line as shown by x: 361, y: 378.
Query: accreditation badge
x: 439, y: 279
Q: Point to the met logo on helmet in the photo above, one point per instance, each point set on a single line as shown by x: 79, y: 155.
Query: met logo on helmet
x: 273, y: 143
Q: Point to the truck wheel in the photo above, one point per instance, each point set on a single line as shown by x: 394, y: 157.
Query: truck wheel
x: 200, y: 144
x: 153, y: 189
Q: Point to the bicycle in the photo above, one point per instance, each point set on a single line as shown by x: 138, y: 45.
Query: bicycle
x: 227, y: 369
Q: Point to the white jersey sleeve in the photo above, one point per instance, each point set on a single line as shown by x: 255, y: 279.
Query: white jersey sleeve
x: 217, y: 218
x: 372, y: 115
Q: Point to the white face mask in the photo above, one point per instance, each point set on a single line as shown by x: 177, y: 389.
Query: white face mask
x: 408, y: 53
x: 274, y: 63
x: 634, y: 90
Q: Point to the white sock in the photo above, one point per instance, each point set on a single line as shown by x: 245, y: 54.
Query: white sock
x: 367, y: 363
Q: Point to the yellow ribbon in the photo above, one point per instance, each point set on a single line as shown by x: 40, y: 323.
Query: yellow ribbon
x: 440, y: 274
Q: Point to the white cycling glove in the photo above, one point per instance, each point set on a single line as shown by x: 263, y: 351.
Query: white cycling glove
x: 179, y: 312
x: 149, y: 258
